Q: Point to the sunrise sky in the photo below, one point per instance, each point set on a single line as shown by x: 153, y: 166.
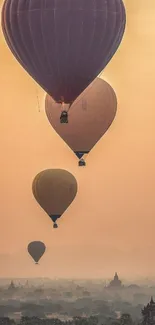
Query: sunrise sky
x: 111, y: 224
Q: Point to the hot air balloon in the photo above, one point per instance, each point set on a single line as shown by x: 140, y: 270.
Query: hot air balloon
x: 36, y: 249
x: 54, y: 190
x: 90, y: 117
x: 63, y: 44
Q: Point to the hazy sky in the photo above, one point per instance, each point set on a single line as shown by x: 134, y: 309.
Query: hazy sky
x: 111, y: 224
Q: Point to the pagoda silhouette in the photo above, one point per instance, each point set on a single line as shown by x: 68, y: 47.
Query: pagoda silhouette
x: 148, y: 313
x: 116, y: 282
x: 11, y: 286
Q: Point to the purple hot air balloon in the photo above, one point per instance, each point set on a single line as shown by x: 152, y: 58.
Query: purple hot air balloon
x: 63, y: 44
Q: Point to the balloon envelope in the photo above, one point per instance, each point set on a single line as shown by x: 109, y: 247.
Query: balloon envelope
x: 54, y: 190
x: 63, y: 44
x: 36, y: 249
x: 90, y: 117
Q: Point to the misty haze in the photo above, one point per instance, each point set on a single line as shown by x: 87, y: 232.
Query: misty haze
x: 74, y: 301
x: 77, y: 176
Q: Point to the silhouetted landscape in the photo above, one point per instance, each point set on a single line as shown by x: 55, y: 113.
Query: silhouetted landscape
x: 46, y: 301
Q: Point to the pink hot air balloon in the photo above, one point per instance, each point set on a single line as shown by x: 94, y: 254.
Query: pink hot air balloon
x: 90, y: 117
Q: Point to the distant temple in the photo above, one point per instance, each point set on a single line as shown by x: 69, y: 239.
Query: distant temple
x: 27, y: 284
x: 11, y: 286
x: 116, y: 282
x: 148, y: 313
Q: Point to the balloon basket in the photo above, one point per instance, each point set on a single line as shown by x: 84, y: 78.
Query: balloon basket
x: 81, y: 163
x: 64, y: 117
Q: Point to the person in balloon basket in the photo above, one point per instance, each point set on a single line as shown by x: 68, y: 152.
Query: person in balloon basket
x: 64, y: 117
x: 64, y: 113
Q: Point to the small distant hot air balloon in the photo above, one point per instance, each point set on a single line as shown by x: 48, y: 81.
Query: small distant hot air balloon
x: 63, y: 44
x: 91, y: 116
x: 54, y: 190
x: 36, y: 249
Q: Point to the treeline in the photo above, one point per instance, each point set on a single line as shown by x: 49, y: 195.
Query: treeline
x: 125, y: 319
x: 80, y: 307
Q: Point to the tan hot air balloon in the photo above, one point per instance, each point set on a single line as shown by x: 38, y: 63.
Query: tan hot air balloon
x: 90, y: 117
x: 36, y: 249
x: 54, y: 190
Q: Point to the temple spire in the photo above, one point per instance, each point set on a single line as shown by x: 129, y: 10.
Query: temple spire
x: 116, y: 276
x: 148, y: 313
x: 116, y: 282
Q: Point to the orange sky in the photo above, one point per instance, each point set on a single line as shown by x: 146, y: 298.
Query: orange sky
x: 110, y: 225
